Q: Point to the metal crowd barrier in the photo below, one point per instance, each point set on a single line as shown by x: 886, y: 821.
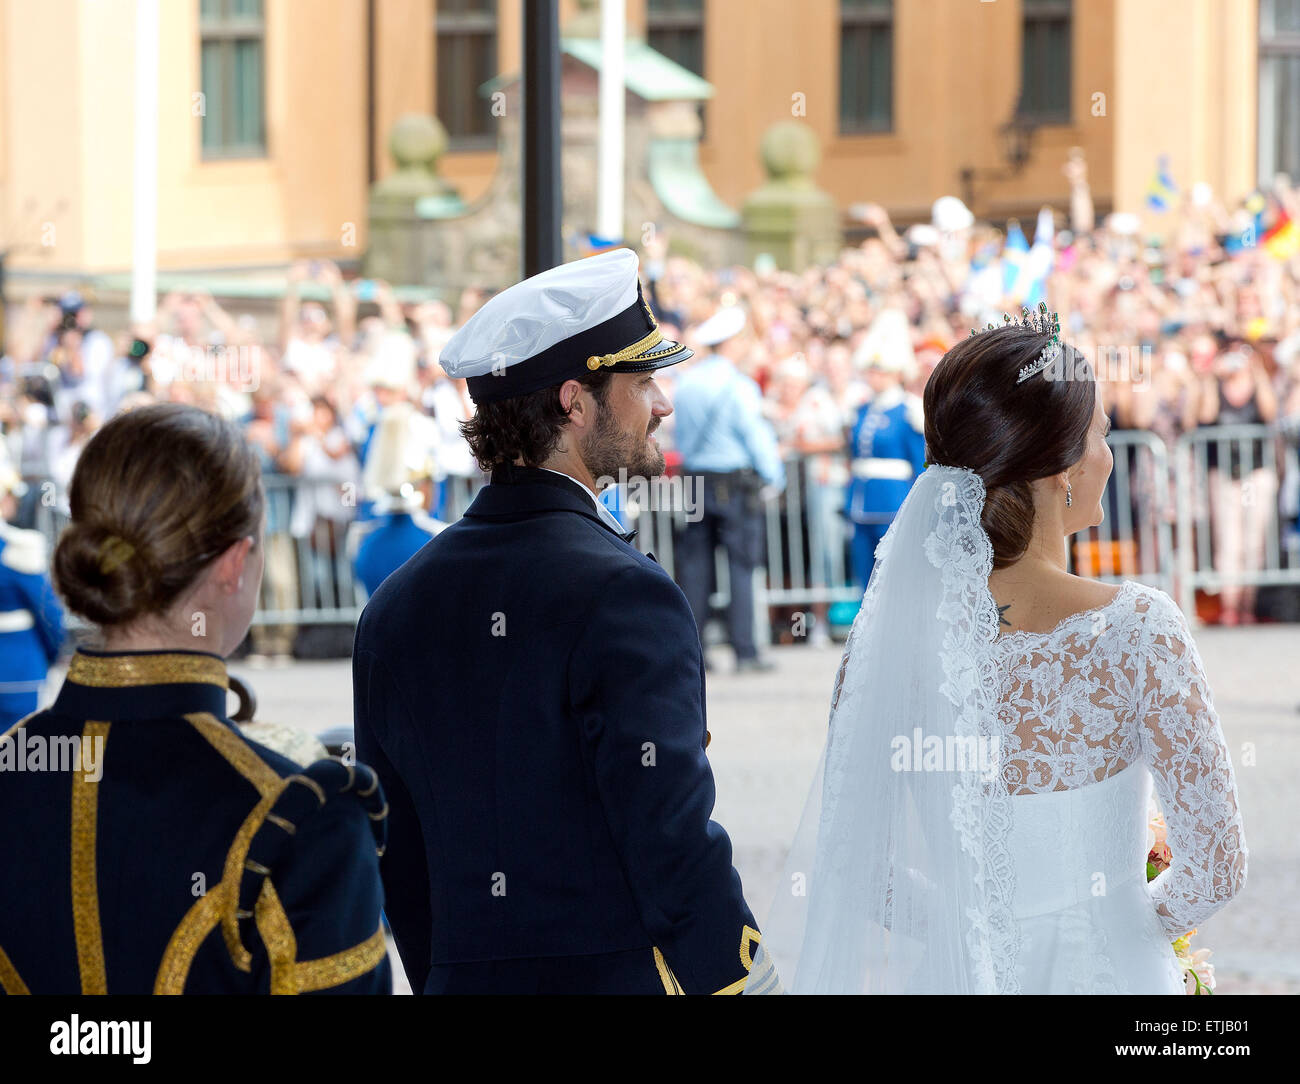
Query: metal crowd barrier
x: 1248, y: 490
x: 1149, y: 534
x: 1135, y: 539
x: 808, y: 559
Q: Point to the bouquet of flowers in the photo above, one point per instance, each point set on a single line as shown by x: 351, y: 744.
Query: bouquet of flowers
x: 1198, y: 972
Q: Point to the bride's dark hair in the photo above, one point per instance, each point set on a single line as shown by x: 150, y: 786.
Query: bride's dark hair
x: 1010, y: 434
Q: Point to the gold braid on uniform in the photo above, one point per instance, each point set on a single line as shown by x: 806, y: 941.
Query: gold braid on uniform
x: 217, y: 906
x: 246, y: 893
x: 85, y: 877
x: 748, y: 937
x: 303, y: 795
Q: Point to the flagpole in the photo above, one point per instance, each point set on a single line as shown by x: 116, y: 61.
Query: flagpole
x: 144, y: 207
x: 609, y: 198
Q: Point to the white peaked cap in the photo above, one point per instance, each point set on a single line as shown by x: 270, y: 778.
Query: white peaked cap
x: 561, y: 324
x: 888, y: 344
x: 721, y: 326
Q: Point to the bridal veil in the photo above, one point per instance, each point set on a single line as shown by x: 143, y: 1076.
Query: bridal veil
x: 899, y: 879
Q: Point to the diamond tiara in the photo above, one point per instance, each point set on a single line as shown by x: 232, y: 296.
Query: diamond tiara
x: 1043, y: 322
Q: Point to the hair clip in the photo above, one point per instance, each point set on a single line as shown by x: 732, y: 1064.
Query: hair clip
x: 114, y: 551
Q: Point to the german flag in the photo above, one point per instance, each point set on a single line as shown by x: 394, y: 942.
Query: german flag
x: 1282, y: 241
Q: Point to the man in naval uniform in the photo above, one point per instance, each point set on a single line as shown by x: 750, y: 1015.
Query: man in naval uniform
x: 530, y: 686
x: 887, y: 439
x: 725, y: 441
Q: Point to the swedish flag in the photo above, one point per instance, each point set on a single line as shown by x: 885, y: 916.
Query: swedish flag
x: 1162, y: 190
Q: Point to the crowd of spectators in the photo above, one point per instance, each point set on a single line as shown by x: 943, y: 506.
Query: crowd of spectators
x: 1198, y: 328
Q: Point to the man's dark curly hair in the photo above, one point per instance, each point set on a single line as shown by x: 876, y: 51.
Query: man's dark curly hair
x: 526, y: 426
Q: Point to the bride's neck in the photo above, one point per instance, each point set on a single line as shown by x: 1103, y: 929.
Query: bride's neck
x: 1047, y: 546
x: 1040, y: 562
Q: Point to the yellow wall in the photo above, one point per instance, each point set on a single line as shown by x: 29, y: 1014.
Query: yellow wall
x: 42, y: 129
x: 957, y: 70
x: 956, y: 75
x: 296, y: 200
x: 1178, y: 76
x: 69, y: 128
x: 404, y: 68
x: 1187, y: 85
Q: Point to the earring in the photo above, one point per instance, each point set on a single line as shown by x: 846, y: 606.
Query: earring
x: 1069, y: 500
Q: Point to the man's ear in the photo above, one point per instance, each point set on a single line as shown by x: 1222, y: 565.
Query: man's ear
x: 574, y: 403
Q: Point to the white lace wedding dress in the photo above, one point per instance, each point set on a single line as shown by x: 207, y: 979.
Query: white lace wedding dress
x: 1090, y: 715
x: 1016, y: 861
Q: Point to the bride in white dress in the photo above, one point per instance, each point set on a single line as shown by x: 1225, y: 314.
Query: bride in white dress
x: 978, y: 823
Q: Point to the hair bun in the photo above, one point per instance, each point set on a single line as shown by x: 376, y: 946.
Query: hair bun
x: 1011, y: 432
x: 157, y: 493
x: 101, y: 575
x: 1008, y: 520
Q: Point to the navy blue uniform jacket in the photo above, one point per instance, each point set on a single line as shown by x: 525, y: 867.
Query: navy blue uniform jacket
x: 151, y: 848
x: 530, y: 689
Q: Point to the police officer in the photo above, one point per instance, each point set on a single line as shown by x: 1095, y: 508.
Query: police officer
x: 886, y: 440
x: 530, y: 685
x: 398, y: 465
x: 31, y: 619
x: 149, y: 846
x: 725, y: 441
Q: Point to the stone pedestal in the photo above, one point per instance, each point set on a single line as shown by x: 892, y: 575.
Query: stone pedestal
x: 789, y: 217
x: 425, y: 236
x: 416, y: 143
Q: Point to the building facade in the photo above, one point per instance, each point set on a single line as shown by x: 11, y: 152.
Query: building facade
x: 274, y: 114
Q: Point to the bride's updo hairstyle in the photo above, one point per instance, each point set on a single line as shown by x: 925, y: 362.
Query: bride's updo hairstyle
x: 977, y: 416
x: 157, y: 494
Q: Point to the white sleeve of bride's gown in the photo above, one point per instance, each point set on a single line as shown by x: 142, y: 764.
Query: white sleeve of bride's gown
x: 1182, y: 744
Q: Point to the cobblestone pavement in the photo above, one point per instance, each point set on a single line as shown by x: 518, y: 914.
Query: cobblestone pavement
x: 767, y: 732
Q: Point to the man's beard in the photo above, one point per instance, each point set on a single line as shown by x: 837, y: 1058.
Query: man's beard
x: 609, y: 450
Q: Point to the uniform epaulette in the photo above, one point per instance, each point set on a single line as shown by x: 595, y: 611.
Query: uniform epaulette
x: 24, y: 551
x: 304, y: 794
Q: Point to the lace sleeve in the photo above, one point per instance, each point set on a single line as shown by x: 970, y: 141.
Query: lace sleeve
x: 1183, y: 745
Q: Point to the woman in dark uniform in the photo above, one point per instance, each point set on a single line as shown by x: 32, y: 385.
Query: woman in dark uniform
x: 150, y: 847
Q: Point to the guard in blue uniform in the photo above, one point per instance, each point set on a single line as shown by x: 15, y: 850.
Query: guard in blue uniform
x: 398, y: 528
x: 530, y: 689
x: 31, y: 622
x: 887, y: 441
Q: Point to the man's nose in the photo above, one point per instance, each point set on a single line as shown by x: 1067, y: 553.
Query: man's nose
x: 662, y: 405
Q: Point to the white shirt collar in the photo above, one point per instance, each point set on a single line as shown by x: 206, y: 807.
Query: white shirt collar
x: 606, y: 516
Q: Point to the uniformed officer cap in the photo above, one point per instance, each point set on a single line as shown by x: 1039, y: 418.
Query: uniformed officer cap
x: 567, y: 322
x: 724, y: 324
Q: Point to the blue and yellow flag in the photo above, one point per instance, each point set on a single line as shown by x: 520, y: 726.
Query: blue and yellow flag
x: 1162, y: 190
